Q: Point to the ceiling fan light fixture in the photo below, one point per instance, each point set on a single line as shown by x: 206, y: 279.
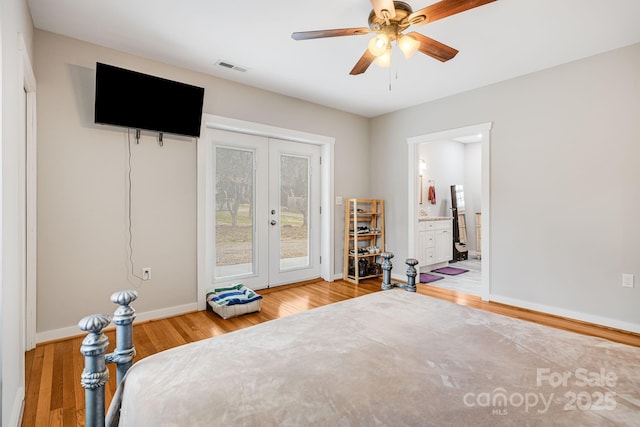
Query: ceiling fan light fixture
x: 379, y: 45
x: 408, y: 45
x: 387, y: 23
x: 384, y: 60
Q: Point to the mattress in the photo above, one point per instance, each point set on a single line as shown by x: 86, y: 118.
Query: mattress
x: 390, y: 358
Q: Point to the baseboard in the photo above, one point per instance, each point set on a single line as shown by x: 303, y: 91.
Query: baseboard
x: 17, y: 409
x: 401, y: 278
x: 71, y: 331
x: 570, y: 314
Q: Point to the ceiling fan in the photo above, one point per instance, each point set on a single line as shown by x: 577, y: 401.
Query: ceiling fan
x: 389, y: 19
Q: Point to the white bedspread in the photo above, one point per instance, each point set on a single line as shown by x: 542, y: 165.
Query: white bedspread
x: 390, y: 359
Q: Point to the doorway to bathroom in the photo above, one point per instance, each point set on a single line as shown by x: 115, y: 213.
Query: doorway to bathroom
x: 437, y: 161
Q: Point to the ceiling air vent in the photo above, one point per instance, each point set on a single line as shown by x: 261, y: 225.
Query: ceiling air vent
x: 226, y: 64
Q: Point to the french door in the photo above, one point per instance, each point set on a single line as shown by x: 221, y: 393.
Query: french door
x: 267, y: 210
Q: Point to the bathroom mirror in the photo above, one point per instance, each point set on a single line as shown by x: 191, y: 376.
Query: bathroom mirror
x: 460, y: 251
x: 462, y: 228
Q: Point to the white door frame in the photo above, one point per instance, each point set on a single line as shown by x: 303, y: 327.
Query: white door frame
x: 484, y: 130
x: 205, y: 220
x: 27, y: 83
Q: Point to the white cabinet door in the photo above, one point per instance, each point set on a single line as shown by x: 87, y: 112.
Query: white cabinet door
x: 426, y: 247
x: 444, y: 242
x: 434, y: 243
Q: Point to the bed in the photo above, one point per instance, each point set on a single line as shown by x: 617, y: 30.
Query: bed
x: 390, y: 358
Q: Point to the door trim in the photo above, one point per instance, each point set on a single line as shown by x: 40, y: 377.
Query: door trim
x: 27, y: 83
x: 327, y: 237
x: 484, y: 129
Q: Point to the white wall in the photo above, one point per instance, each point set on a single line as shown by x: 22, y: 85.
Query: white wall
x: 82, y: 217
x: 564, y: 175
x: 445, y: 167
x: 16, y: 20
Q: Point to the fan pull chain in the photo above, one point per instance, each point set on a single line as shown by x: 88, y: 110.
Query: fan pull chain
x: 390, y: 78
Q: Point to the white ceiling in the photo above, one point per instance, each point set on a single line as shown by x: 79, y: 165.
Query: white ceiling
x: 498, y: 41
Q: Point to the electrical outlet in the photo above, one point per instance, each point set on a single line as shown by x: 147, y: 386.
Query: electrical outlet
x: 146, y: 273
x: 338, y: 200
x: 627, y: 280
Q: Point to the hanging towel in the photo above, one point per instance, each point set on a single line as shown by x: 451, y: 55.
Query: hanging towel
x: 431, y: 196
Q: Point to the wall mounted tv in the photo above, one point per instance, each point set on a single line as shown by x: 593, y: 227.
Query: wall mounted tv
x: 141, y: 101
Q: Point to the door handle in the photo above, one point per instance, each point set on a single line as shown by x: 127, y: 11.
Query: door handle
x: 273, y: 222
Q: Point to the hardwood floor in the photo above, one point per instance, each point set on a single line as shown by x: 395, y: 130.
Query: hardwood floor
x: 54, y: 396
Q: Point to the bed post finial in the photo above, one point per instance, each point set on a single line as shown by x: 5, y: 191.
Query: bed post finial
x: 123, y: 318
x: 411, y: 274
x: 95, y: 374
x: 386, y: 270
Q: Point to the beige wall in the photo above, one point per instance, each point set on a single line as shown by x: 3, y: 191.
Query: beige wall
x: 564, y: 183
x: 82, y: 215
x: 16, y: 23
x: 563, y: 176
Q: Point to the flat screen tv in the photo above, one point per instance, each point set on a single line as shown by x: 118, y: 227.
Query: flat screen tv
x: 141, y: 101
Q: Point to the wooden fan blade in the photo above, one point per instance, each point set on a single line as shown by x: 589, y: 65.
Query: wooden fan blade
x: 306, y: 35
x: 434, y: 48
x: 363, y: 63
x: 442, y: 9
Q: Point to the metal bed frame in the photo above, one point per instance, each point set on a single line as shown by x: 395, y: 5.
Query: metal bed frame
x: 94, y: 346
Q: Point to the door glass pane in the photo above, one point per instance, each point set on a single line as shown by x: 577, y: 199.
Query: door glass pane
x: 294, y: 210
x: 235, y: 217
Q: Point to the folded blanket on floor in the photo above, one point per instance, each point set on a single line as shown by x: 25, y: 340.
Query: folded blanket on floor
x: 233, y: 295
